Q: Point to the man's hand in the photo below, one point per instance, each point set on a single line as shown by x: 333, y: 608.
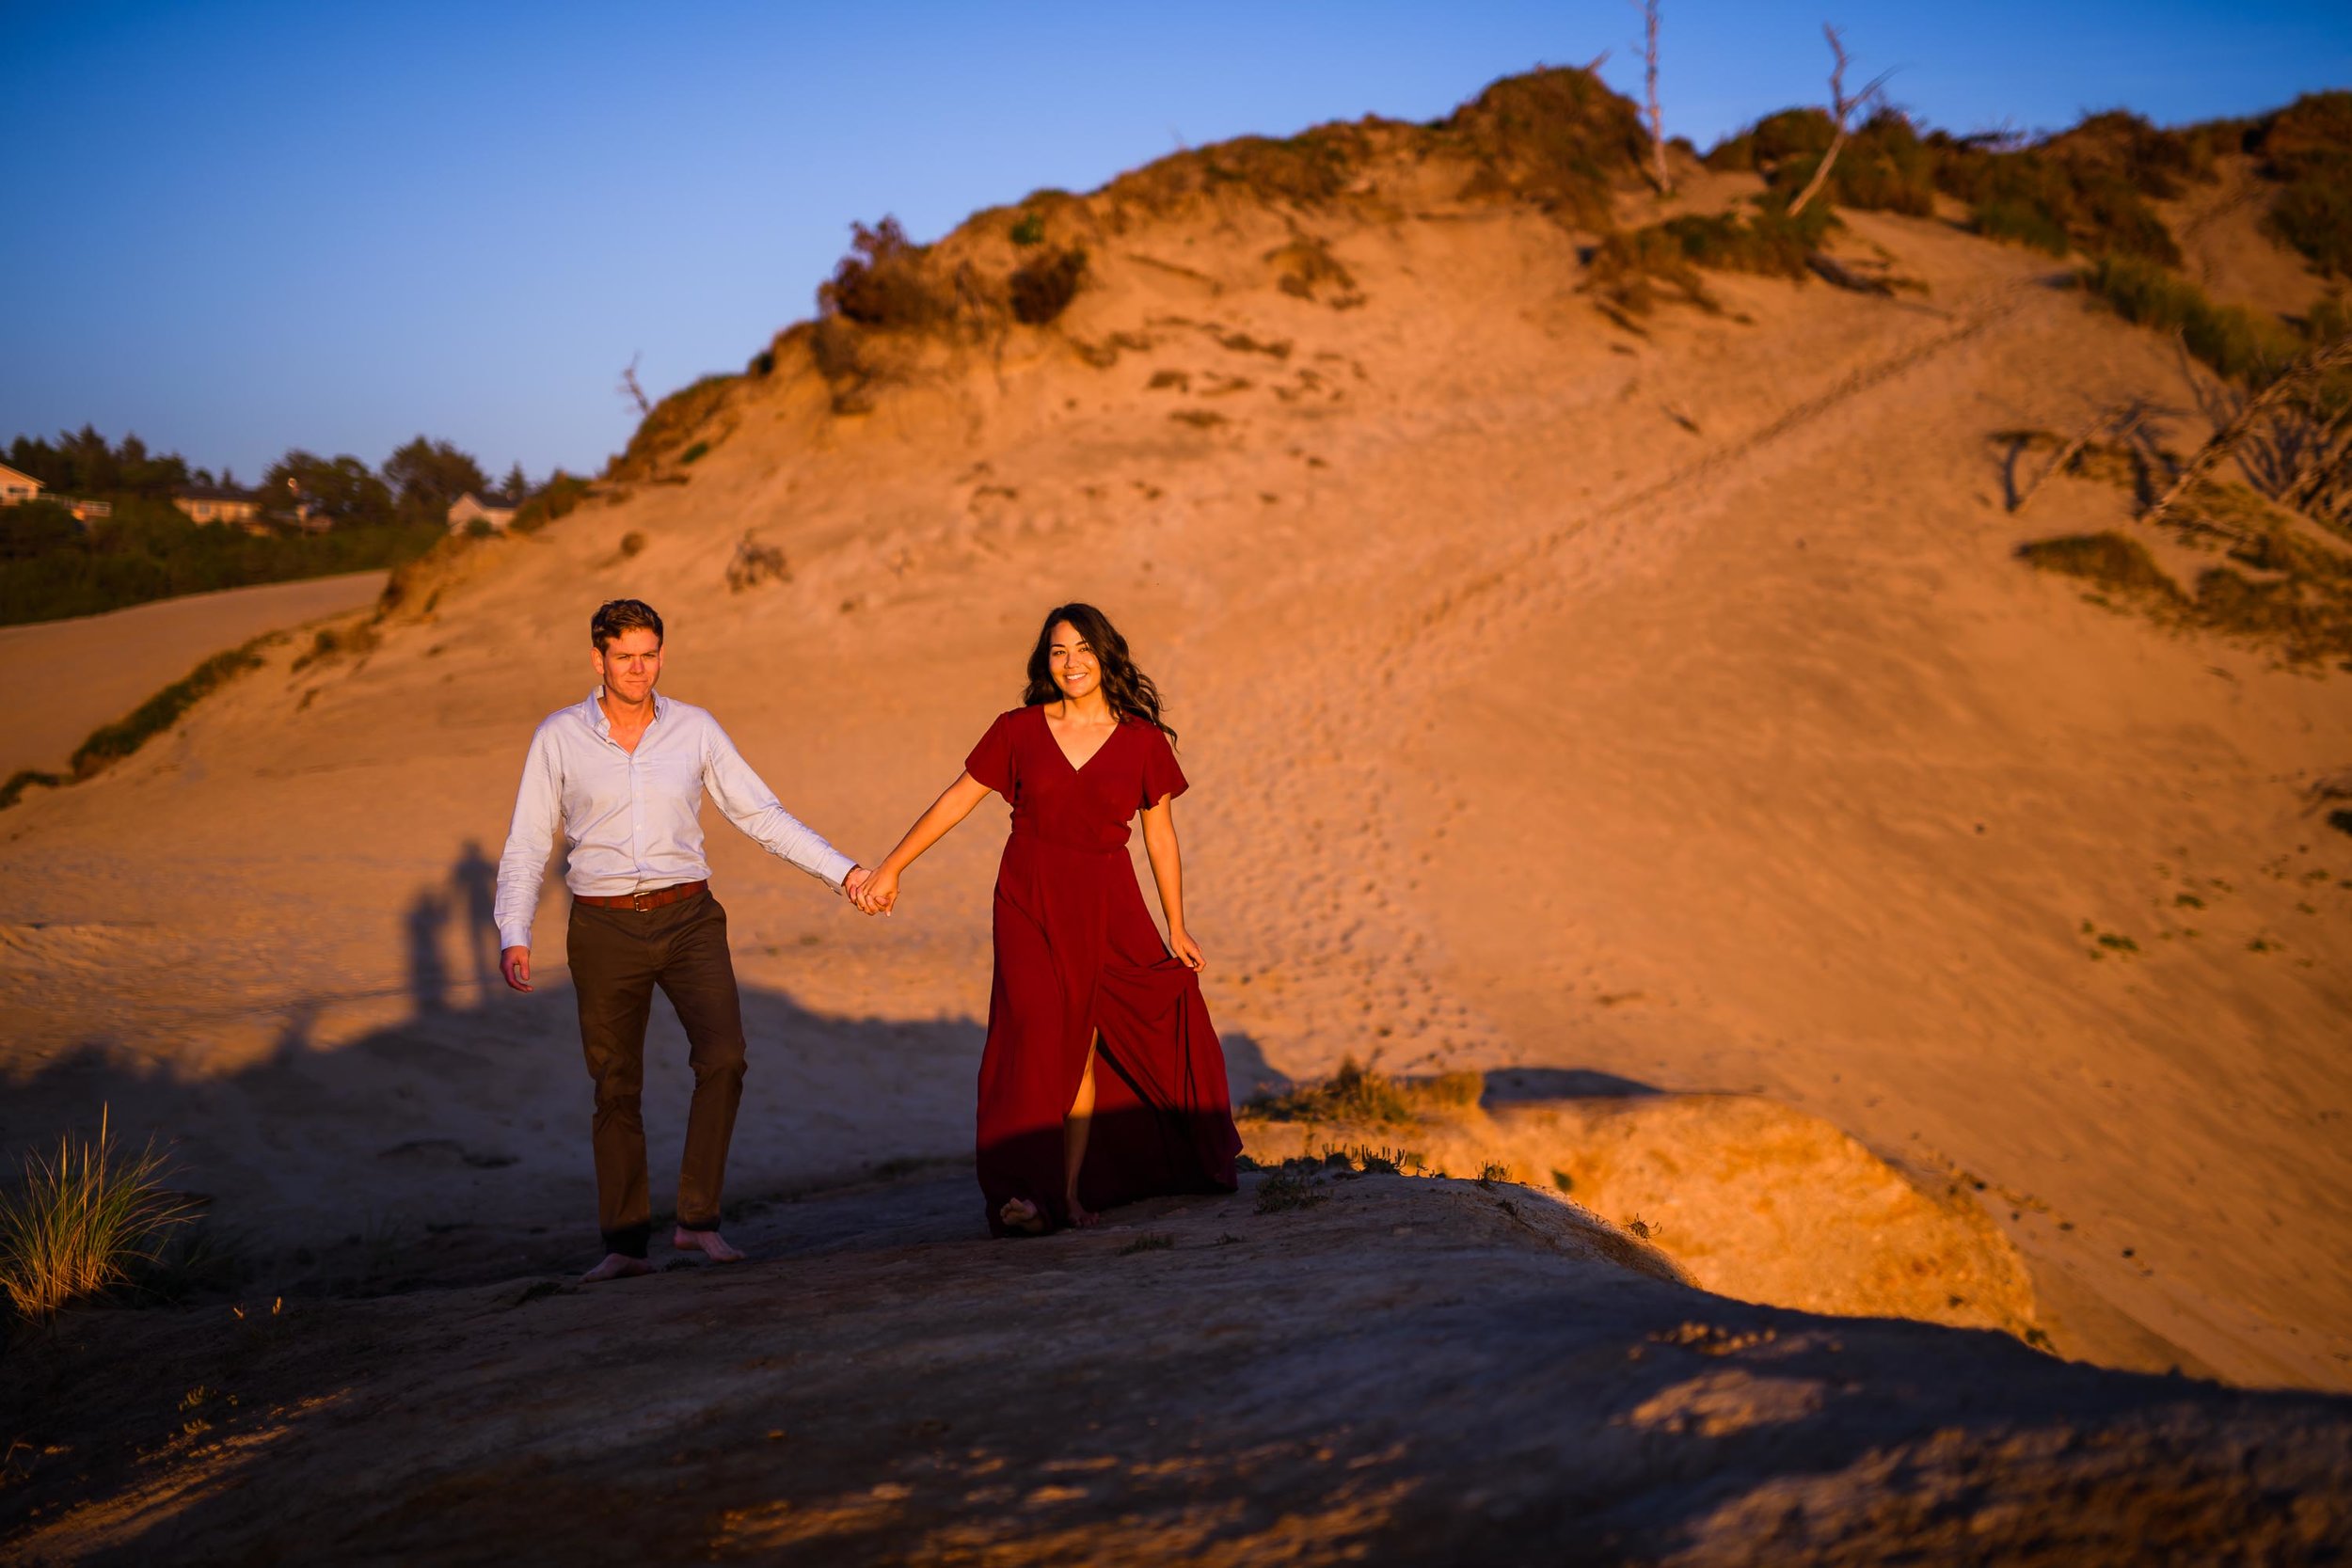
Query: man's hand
x: 515, y: 963
x: 854, y: 880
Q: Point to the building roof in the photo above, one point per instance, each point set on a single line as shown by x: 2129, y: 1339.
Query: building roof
x: 214, y: 493
x: 6, y: 472
x: 487, y: 503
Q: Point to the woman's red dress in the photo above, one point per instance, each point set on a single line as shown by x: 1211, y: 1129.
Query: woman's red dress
x: 1077, y: 956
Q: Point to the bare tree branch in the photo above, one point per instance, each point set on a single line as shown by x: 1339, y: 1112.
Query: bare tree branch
x: 1842, y: 109
x: 630, y: 390
x: 2316, y: 363
x: 2121, y: 419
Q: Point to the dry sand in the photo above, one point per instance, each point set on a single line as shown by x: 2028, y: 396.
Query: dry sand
x: 94, y: 669
x: 1557, y: 699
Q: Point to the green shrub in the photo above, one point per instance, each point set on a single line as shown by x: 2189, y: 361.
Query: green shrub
x: 2086, y: 189
x: 881, y: 283
x: 1028, y: 230
x: 2308, y: 146
x: 561, y: 494
x: 1041, y: 290
x: 74, y: 1225
x: 1558, y: 137
x: 693, y: 454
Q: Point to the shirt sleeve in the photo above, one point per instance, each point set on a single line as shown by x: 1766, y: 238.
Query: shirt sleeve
x: 538, y: 806
x: 1162, y: 779
x: 751, y: 806
x: 990, y: 761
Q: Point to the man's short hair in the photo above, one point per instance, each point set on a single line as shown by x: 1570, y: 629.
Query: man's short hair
x: 615, y: 616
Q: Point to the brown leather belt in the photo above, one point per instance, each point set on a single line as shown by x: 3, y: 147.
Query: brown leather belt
x: 641, y: 901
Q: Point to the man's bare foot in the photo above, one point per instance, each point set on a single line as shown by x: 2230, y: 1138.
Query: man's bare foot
x: 1080, y: 1216
x: 616, y: 1265
x: 709, y: 1242
x: 1020, y: 1217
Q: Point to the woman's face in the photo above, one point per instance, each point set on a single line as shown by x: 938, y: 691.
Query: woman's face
x: 1071, y: 657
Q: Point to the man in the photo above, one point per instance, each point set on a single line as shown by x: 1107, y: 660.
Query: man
x: 625, y: 772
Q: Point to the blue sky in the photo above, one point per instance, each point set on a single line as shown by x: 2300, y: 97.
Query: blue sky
x: 240, y: 228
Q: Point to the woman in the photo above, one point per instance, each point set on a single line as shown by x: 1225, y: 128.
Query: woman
x: 1101, y: 1082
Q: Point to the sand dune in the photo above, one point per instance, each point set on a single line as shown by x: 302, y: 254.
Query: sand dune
x: 93, y: 670
x: 1559, y: 697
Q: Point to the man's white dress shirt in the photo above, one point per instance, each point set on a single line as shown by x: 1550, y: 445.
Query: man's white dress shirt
x: 632, y: 819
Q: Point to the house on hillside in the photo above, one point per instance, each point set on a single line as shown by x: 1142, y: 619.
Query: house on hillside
x: 470, y: 508
x: 17, y: 488
x: 207, y: 504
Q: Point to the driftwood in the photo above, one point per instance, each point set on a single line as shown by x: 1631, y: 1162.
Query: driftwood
x: 1842, y: 109
x: 2312, y: 365
x: 2129, y: 415
x: 1831, y: 270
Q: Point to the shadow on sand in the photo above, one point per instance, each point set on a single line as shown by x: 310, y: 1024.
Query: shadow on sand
x: 454, y: 1144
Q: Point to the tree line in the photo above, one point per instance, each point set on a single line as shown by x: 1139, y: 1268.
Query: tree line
x: 52, y: 565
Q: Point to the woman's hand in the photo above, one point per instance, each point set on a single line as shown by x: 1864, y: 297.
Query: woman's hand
x: 877, y: 892
x: 1186, y: 950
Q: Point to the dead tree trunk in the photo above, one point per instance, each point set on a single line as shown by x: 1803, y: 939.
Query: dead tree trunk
x: 1656, y: 117
x: 2316, y: 363
x: 1842, y: 109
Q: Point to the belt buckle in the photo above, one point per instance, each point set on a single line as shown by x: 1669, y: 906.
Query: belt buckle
x: 637, y: 902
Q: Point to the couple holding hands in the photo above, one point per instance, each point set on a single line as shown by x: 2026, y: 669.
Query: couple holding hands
x: 1101, y: 1081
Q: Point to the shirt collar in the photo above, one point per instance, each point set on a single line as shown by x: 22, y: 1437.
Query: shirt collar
x: 603, y: 725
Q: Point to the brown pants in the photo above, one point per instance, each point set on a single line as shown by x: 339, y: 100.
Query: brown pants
x: 617, y: 958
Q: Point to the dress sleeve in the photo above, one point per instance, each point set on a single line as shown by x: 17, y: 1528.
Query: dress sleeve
x: 990, y: 761
x: 1162, y: 778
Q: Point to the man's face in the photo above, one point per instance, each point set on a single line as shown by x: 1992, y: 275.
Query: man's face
x: 629, y: 664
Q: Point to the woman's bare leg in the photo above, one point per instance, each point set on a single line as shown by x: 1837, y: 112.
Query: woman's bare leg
x: 1074, y: 1130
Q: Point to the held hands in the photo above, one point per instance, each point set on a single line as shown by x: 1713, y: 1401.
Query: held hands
x: 879, y: 893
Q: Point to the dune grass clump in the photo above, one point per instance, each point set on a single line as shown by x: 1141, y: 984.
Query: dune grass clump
x: 2233, y: 340
x: 78, y: 1225
x: 1290, y: 1188
x: 2115, y: 562
x: 1629, y: 268
x: 111, y: 743
x: 671, y: 427
x: 1365, y: 1096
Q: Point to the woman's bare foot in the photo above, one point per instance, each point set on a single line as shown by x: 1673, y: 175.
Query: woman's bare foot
x: 1080, y: 1216
x: 709, y: 1242
x: 616, y: 1266
x: 1020, y: 1217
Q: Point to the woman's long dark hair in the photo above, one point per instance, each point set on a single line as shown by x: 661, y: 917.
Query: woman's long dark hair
x: 1128, y: 689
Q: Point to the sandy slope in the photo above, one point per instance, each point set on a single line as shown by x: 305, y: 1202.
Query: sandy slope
x: 1407, y: 1371
x: 93, y: 670
x: 1556, y: 698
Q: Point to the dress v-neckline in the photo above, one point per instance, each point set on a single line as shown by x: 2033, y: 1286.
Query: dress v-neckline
x: 1076, y: 768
